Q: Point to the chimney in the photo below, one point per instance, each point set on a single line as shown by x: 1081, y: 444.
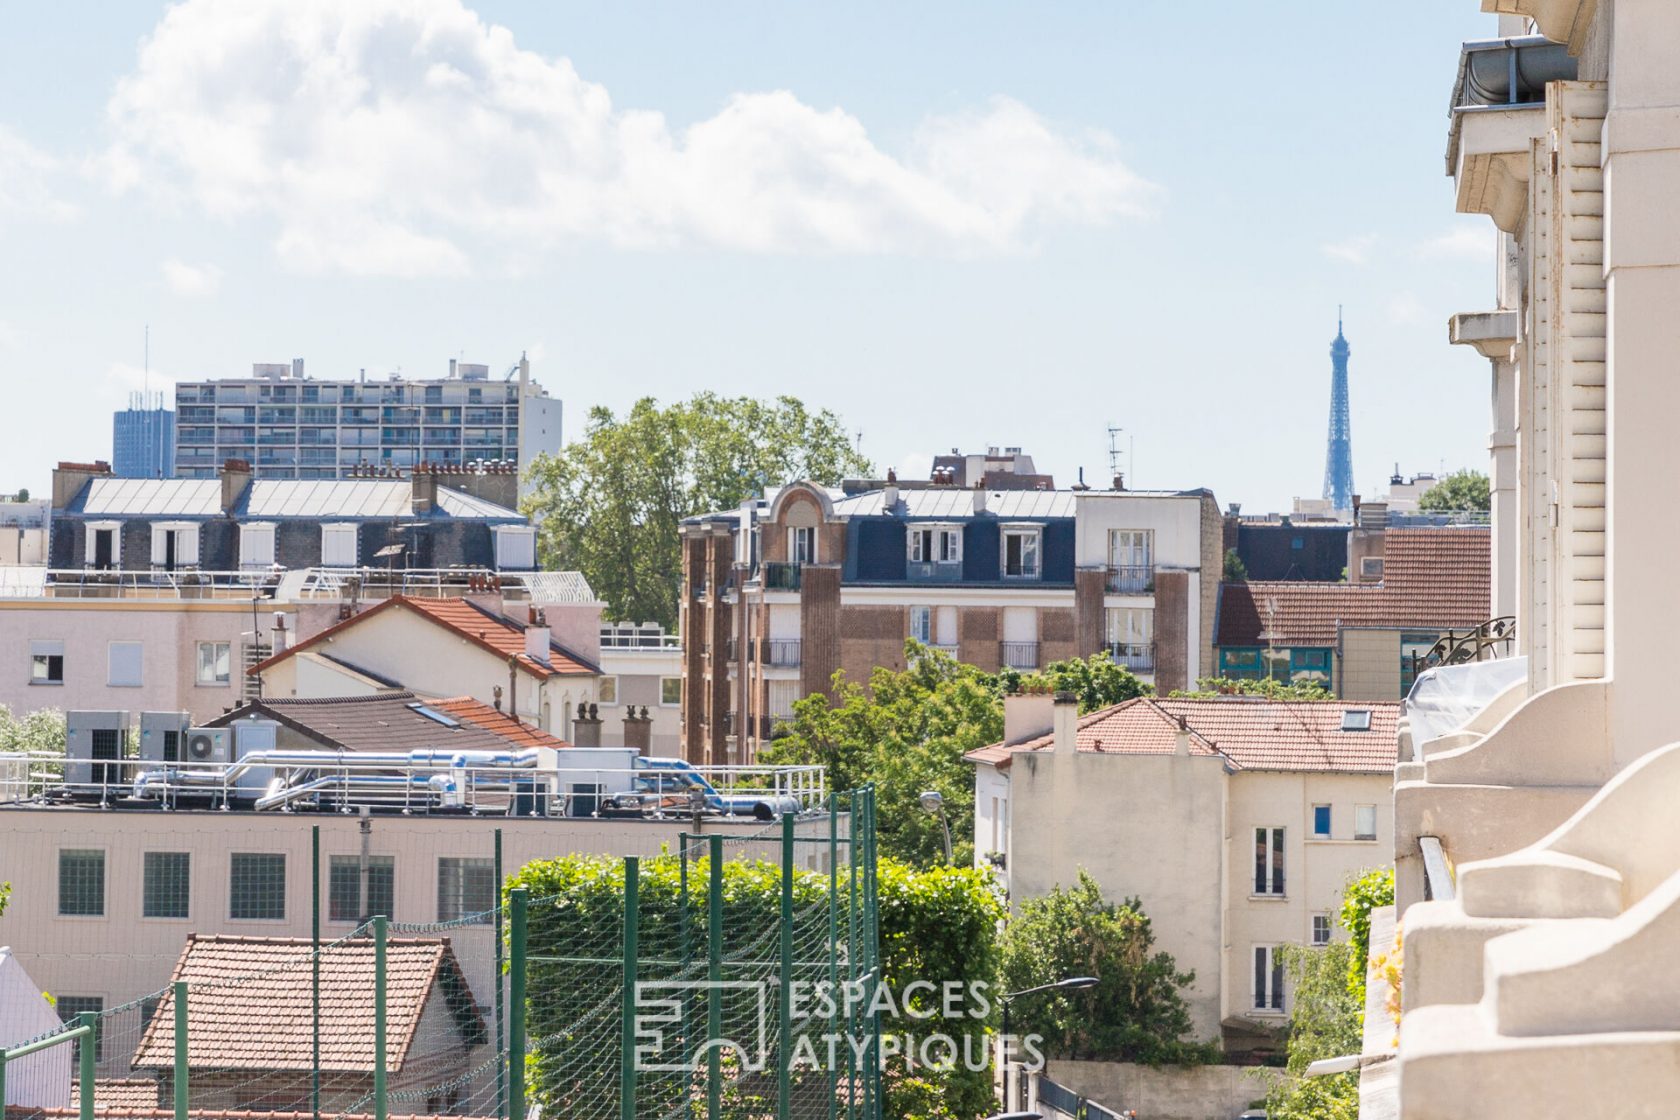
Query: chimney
x: 422, y: 489
x: 586, y: 726
x: 236, y: 479
x: 889, y: 494
x: 1181, y: 743
x: 281, y: 634
x: 68, y: 479
x: 1119, y: 481
x: 979, y: 499
x: 1027, y: 716
x: 638, y: 729
x: 537, y: 640
x: 1064, y: 720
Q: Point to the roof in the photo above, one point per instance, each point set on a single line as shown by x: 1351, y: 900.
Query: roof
x: 250, y: 1003
x: 394, y: 720
x: 495, y: 633
x: 153, y: 497
x: 1433, y: 579
x: 950, y: 502
x: 278, y: 499
x: 1250, y: 733
x: 119, y: 1092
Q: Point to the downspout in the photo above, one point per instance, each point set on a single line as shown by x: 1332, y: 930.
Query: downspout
x: 364, y: 861
x: 513, y: 687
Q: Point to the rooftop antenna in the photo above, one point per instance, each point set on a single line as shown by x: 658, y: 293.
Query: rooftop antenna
x: 1114, y: 453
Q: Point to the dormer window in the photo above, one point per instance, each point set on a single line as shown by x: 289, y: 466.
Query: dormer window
x: 174, y: 545
x: 1020, y: 552
x: 256, y: 545
x: 104, y: 545
x: 802, y: 544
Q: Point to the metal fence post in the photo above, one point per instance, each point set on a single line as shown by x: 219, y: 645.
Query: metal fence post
x: 833, y: 945
x: 516, y: 1005
x: 181, y: 1050
x: 627, y: 1017
x: 89, y: 1062
x: 2, y: 1079
x: 501, y: 1021
x: 714, y: 973
x: 784, y: 1062
x: 380, y: 933
x: 315, y: 971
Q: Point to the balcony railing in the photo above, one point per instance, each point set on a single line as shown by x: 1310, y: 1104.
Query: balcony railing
x: 1018, y: 655
x: 935, y: 571
x: 781, y: 653
x: 1131, y: 579
x: 1493, y: 639
x: 779, y: 576
x: 1137, y: 658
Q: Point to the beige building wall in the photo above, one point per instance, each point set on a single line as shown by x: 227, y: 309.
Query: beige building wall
x: 1369, y: 665
x: 639, y: 673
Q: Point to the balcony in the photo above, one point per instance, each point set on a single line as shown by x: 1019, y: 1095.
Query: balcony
x: 1131, y: 579
x: 1139, y: 658
x: 934, y: 571
x: 779, y: 576
x: 781, y: 653
x: 1498, y: 102
x: 1018, y: 655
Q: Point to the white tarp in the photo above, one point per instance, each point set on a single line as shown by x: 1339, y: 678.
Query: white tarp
x: 1445, y: 698
x: 41, y: 1079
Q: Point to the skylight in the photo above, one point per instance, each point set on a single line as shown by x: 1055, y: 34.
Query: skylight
x: 438, y: 717
x: 1356, y: 719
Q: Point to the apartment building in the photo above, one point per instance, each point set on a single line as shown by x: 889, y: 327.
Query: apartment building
x: 641, y: 670
x: 287, y: 425
x: 1368, y: 638
x: 780, y: 595
x: 1538, y: 866
x: 1237, y: 822
x: 143, y: 438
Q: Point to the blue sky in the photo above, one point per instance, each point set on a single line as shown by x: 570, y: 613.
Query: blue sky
x: 957, y: 224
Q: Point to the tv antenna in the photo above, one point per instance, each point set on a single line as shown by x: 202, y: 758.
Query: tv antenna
x: 1114, y: 453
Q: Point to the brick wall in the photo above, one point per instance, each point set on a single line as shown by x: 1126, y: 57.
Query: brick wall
x: 1214, y: 528
x: 1058, y: 634
x: 819, y: 626
x: 1172, y: 631
x: 1089, y: 586
x: 979, y: 630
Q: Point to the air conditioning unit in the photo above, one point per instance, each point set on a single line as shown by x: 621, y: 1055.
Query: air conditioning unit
x: 163, y: 735
x: 208, y: 746
x: 95, y: 743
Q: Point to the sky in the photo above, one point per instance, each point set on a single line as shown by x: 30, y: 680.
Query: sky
x: 954, y: 222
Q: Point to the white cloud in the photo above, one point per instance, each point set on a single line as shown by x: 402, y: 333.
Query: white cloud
x: 26, y: 180
x: 191, y: 279
x: 1465, y: 242
x: 1406, y: 309
x: 1350, y: 250
x: 408, y: 136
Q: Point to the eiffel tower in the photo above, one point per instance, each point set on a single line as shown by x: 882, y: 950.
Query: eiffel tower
x: 1338, y: 455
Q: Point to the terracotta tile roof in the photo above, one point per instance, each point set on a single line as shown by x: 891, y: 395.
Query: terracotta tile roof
x: 393, y: 721
x: 1251, y: 733
x: 249, y: 1004
x: 119, y: 1092
x: 485, y: 628
x: 1433, y: 579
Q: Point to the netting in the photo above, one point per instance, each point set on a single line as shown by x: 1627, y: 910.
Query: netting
x: 730, y: 977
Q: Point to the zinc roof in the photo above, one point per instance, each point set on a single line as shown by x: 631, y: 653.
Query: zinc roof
x: 155, y: 497
x: 948, y: 501
x: 351, y: 498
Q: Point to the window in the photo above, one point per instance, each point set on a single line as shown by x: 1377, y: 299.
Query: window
x: 1268, y: 861
x: 1371, y: 567
x: 1321, y: 929
x: 1414, y: 658
x: 125, y: 664
x: 257, y: 887
x: 1020, y: 553
x: 802, y: 544
x: 921, y: 624
x: 1356, y: 719
x: 1310, y: 666
x: 1364, y: 822
x: 174, y: 545
x: 921, y: 546
x: 215, y: 662
x: 1131, y: 561
x: 1131, y: 636
x: 516, y: 547
x: 1268, y: 978
x: 256, y: 545
x: 338, y: 546
x: 606, y: 692
x: 46, y: 662
x: 1321, y: 822
x: 670, y: 692
x: 104, y: 545
x: 344, y: 888
x: 936, y: 545
x: 81, y: 882
x: 70, y: 1008
x: 950, y: 546
x: 1239, y: 664
x: 166, y: 879
x: 466, y: 887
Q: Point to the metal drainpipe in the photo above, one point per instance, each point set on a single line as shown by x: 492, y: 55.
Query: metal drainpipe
x: 363, y: 863
x: 513, y: 686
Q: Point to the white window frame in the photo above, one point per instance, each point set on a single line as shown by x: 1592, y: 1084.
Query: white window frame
x: 1322, y: 929
x: 90, y: 534
x: 1130, y: 626
x: 1032, y: 537
x: 950, y: 544
x: 1138, y: 542
x: 1271, y: 862
x: 1267, y: 992
x: 226, y: 658
x: 921, y: 624
x: 935, y: 544
x: 1330, y: 813
x: 921, y: 544
x: 139, y: 666
x: 1369, y: 811
x: 251, y: 535
x: 186, y: 543
x: 807, y: 534
x: 605, y: 684
x: 335, y: 531
x: 44, y: 648
x: 516, y: 547
x: 664, y: 703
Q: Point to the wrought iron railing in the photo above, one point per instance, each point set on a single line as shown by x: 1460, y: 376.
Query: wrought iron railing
x: 1131, y: 579
x: 1018, y: 655
x: 1493, y: 639
x: 779, y: 576
x: 781, y: 653
x: 935, y: 571
x: 1134, y: 656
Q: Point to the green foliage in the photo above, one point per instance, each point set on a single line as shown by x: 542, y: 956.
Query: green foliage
x: 1208, y: 687
x: 610, y: 503
x: 1459, y: 492
x: 22, y: 494
x: 5, y: 897
x: 1373, y: 889
x: 40, y: 731
x: 1235, y: 570
x: 906, y: 732
x: 1098, y: 680
x: 1323, y: 1023
x: 1136, y: 1013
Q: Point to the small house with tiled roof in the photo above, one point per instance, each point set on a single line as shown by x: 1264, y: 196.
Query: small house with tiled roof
x: 1359, y: 637
x: 251, y: 1029
x: 1236, y: 822
x: 444, y: 647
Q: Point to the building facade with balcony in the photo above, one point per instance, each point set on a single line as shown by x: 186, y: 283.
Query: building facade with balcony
x: 782, y: 594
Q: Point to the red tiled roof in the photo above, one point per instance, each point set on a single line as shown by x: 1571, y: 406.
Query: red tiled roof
x: 1433, y: 579
x: 250, y: 1003
x: 1251, y: 733
x: 486, y: 629
x: 392, y: 720
x: 482, y: 715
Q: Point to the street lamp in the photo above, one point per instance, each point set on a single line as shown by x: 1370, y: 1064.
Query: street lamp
x: 933, y: 803
x: 1066, y: 985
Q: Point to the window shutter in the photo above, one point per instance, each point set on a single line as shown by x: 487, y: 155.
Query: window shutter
x: 160, y: 537
x: 256, y: 545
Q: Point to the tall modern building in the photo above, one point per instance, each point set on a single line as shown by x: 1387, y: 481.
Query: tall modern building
x: 143, y: 438
x: 1338, y: 457
x: 287, y: 425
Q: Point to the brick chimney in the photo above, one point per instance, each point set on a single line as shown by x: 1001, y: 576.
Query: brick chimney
x: 638, y: 729
x: 236, y: 479
x: 68, y: 479
x: 422, y: 490
x: 586, y: 726
x: 1065, y: 723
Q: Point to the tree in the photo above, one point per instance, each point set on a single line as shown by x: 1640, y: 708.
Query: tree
x: 41, y: 731
x: 1098, y: 680
x: 905, y: 732
x: 1459, y: 492
x: 5, y: 897
x: 1235, y: 570
x: 1373, y: 889
x: 609, y: 505
x: 1267, y: 688
x: 1135, y: 1013
x: 22, y: 494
